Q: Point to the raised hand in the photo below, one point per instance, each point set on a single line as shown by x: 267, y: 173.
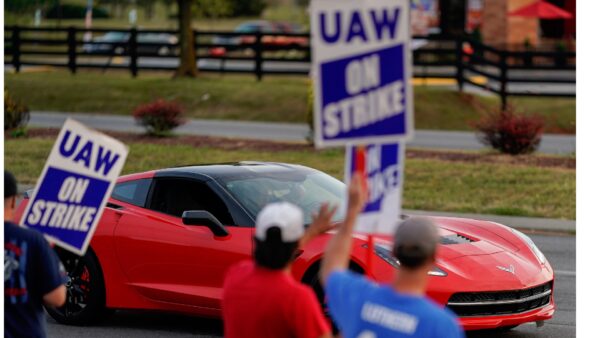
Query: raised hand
x: 320, y: 224
x: 357, y: 193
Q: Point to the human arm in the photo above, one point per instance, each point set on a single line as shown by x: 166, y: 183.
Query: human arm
x: 321, y: 223
x: 338, y: 250
x: 52, y: 275
x: 56, y: 297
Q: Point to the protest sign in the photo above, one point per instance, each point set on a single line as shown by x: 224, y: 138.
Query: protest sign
x: 361, y: 71
x: 382, y: 165
x: 75, y: 184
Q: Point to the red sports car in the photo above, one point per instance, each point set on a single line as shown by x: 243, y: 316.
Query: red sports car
x: 167, y: 237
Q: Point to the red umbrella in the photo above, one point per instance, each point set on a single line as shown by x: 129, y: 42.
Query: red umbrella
x: 543, y: 10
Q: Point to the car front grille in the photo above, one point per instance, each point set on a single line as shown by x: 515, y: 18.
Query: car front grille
x: 468, y: 304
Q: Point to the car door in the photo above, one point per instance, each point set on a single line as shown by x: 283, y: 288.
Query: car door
x: 168, y: 261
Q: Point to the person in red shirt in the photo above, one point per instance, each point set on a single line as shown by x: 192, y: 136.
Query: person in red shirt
x: 260, y: 297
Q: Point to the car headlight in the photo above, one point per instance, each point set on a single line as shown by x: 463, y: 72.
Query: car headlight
x: 384, y: 252
x: 537, y: 252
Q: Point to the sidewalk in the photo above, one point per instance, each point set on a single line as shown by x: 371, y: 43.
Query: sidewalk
x: 289, y: 132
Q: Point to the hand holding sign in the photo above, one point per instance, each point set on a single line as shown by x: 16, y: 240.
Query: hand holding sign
x: 75, y: 184
x: 357, y: 193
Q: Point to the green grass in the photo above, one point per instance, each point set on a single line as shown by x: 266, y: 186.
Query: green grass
x: 241, y: 97
x: 429, y: 184
x: 226, y: 97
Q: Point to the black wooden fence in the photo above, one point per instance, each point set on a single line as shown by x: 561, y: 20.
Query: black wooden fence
x: 504, y: 72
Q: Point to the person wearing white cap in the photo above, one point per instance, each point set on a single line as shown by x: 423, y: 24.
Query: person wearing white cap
x: 362, y: 308
x: 260, y: 297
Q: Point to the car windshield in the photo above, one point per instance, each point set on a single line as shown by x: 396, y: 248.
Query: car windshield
x: 306, y: 189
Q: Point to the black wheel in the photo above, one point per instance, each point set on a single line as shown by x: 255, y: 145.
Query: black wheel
x: 85, y: 290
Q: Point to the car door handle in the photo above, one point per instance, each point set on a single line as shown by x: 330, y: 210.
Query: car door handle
x: 118, y: 209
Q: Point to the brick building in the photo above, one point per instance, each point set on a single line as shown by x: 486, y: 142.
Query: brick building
x: 500, y: 29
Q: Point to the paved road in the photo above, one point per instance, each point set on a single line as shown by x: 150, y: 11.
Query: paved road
x: 293, y: 132
x: 560, y: 251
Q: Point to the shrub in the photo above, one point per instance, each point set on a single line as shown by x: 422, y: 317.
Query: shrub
x: 510, y: 132
x: 159, y: 117
x: 16, y: 115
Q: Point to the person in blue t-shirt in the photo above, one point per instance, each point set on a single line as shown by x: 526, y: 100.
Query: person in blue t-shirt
x: 364, y: 309
x: 32, y: 274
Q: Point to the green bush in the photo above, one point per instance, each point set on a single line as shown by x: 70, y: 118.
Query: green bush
x: 72, y: 11
x: 16, y: 115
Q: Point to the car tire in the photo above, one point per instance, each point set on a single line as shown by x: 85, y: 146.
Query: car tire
x: 86, y: 295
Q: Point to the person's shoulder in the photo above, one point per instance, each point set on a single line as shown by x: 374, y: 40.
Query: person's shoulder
x: 21, y: 233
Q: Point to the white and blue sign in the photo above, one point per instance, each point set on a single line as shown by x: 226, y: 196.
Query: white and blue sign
x: 76, y: 182
x: 361, y: 71
x: 382, y: 165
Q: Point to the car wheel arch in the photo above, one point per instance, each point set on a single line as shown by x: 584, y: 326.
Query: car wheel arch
x: 94, y: 256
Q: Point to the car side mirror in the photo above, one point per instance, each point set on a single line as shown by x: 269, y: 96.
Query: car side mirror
x: 205, y: 218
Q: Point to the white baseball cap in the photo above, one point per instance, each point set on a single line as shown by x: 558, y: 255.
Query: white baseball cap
x: 286, y: 216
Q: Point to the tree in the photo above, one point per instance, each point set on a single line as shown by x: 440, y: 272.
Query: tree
x: 187, y: 54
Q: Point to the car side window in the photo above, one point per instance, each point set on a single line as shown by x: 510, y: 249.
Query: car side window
x: 173, y: 196
x: 133, y: 192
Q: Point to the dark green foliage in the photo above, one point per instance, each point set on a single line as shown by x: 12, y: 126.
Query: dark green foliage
x: 248, y: 7
x: 20, y: 6
x: 229, y: 8
x: 71, y: 11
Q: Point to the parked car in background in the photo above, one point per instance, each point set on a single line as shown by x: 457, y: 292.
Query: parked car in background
x: 273, y: 35
x: 117, y: 43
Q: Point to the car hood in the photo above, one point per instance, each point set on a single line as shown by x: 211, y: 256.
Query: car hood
x: 479, y: 253
x: 507, y: 269
x: 464, y: 238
